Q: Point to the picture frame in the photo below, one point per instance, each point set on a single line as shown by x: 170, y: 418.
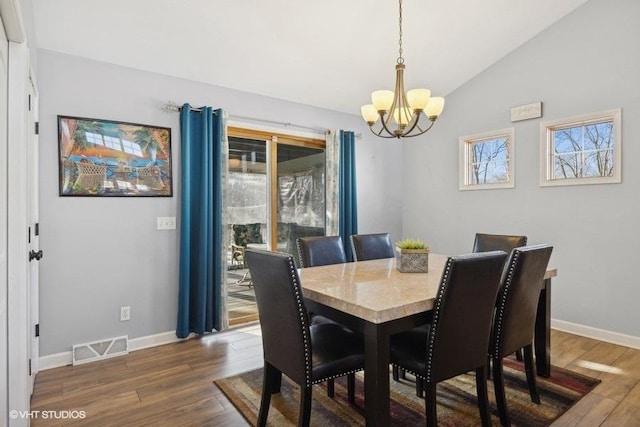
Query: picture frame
x: 113, y: 158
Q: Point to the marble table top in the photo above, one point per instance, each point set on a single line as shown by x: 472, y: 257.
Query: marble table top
x: 375, y: 290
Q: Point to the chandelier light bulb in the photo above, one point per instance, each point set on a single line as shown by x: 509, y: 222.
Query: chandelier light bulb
x: 418, y: 98
x: 400, y: 118
x: 382, y: 99
x: 435, y: 106
x: 369, y: 113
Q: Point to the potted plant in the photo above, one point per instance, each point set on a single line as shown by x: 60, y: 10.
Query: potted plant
x: 412, y: 256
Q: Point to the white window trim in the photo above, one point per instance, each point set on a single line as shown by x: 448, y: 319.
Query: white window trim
x: 546, y: 156
x: 464, y: 144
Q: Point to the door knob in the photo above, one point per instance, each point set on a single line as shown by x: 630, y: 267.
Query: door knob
x: 35, y: 255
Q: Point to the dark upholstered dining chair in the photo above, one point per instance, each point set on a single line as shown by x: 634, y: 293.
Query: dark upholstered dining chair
x: 307, y: 354
x: 320, y: 250
x: 449, y: 346
x: 315, y: 251
x: 515, y: 316
x: 497, y: 242
x: 371, y: 246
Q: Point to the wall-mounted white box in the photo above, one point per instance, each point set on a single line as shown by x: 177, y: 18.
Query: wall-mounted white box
x: 166, y: 223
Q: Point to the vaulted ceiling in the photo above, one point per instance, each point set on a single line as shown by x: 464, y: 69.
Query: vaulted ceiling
x: 327, y: 53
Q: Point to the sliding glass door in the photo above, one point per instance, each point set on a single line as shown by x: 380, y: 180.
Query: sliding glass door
x: 275, y: 194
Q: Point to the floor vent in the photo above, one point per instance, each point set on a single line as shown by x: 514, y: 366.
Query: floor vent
x: 99, y: 350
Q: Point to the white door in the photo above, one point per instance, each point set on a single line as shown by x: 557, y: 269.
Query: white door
x: 35, y: 254
x: 4, y: 386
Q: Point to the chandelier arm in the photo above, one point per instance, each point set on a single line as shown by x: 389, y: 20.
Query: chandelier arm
x: 422, y: 131
x: 379, y: 133
x: 384, y: 125
x: 414, y: 123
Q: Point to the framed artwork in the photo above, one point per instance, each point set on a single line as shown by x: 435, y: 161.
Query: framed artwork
x: 109, y: 158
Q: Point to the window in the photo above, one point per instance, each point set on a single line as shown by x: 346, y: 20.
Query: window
x: 111, y: 142
x: 94, y: 138
x: 486, y: 160
x: 131, y: 148
x: 581, y: 150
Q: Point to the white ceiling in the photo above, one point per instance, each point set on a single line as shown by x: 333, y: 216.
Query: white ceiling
x: 326, y: 53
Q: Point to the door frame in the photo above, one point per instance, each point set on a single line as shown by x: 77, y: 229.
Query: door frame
x: 4, y: 387
x: 17, y: 228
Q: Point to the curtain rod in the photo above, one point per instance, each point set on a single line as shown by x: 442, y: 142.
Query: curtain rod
x: 172, y: 107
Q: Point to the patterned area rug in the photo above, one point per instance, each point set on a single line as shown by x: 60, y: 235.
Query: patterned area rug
x: 456, y: 400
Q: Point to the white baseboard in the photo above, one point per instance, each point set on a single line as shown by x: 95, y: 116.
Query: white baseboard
x: 66, y: 357
x: 595, y: 333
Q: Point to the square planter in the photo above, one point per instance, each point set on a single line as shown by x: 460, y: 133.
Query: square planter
x: 412, y: 260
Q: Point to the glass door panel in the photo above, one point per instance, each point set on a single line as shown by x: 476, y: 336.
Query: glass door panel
x: 300, y: 195
x: 246, y: 199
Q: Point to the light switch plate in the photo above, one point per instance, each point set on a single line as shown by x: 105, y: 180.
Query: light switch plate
x: 166, y: 223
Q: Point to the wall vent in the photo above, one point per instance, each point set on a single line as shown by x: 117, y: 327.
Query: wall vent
x: 99, y: 350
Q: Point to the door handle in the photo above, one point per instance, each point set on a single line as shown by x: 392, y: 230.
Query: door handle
x: 35, y: 255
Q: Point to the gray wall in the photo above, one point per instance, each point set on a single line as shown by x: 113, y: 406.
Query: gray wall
x: 103, y: 253
x: 587, y: 62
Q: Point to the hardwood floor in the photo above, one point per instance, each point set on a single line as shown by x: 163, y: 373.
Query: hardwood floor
x: 173, y: 384
x: 241, y: 300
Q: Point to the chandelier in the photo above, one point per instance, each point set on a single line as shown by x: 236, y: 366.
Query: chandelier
x: 400, y: 112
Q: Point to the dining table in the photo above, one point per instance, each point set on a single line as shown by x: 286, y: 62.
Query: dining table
x: 375, y: 299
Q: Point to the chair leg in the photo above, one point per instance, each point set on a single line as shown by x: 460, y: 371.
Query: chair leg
x: 331, y: 388
x: 519, y: 355
x: 398, y: 373
x: 420, y: 387
x: 430, y: 402
x: 483, y: 398
x: 276, y: 383
x: 270, y: 377
x: 351, y: 388
x: 498, y: 387
x: 305, y: 406
x: 529, y: 368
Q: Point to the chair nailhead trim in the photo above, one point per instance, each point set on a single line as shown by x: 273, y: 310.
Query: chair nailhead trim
x: 410, y: 371
x: 503, y: 300
x: 300, y: 256
x: 319, y: 380
x: 434, y: 324
x: 303, y: 320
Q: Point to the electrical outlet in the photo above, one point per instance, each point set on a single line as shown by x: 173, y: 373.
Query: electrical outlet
x: 166, y: 223
x: 125, y: 313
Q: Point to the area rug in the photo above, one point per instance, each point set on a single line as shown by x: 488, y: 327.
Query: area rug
x: 456, y: 400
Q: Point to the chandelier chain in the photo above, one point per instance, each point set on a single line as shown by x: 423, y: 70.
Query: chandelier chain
x: 400, y: 58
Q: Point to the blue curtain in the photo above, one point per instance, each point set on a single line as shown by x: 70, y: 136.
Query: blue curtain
x: 348, y: 205
x: 200, y: 280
